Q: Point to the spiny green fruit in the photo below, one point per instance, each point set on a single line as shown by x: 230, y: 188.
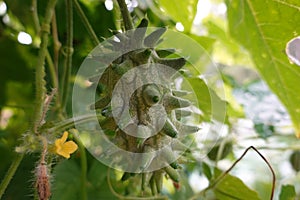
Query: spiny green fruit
x: 295, y: 160
x: 145, y: 55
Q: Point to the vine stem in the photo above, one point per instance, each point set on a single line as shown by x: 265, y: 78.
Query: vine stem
x: 40, y: 68
x: 51, y: 64
x: 86, y: 23
x: 83, y: 162
x: 70, y: 123
x: 10, y: 173
x: 56, y: 42
x: 68, y: 54
x: 35, y: 17
x: 52, y: 70
x: 218, y: 179
x: 125, y: 15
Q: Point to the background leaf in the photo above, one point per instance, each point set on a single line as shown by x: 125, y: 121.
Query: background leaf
x: 97, y: 178
x: 66, y: 181
x: 208, y: 101
x: 226, y: 50
x: 22, y: 184
x: 180, y: 11
x: 287, y: 192
x: 231, y: 187
x: 264, y: 29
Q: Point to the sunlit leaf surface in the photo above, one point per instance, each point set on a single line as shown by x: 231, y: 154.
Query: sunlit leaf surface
x: 264, y: 28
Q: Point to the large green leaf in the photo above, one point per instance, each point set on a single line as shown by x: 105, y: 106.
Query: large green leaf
x: 97, y: 182
x: 231, y: 187
x: 23, y: 182
x: 67, y: 183
x: 180, y: 11
x: 264, y: 28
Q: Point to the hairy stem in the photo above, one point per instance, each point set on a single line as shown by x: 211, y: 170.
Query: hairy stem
x: 40, y: 68
x: 86, y: 23
x: 51, y: 64
x: 125, y: 15
x: 10, y: 173
x: 68, y: 54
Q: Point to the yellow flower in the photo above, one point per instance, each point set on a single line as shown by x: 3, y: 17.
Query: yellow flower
x: 64, y: 148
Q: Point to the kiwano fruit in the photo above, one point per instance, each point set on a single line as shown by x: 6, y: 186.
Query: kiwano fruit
x: 143, y: 115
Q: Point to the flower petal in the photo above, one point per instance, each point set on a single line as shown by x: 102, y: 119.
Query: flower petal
x: 64, y: 137
x: 58, y: 143
x: 64, y: 148
x: 70, y: 147
x: 63, y: 153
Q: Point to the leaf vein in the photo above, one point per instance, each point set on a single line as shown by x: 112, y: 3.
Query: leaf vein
x: 287, y: 4
x: 269, y: 53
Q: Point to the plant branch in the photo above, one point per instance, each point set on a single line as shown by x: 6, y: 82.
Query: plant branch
x: 83, y: 162
x: 56, y: 42
x: 40, y: 69
x: 70, y: 123
x: 218, y: 179
x: 35, y: 16
x: 51, y: 64
x: 86, y: 23
x: 68, y: 54
x: 125, y: 15
x: 52, y: 70
x: 10, y: 173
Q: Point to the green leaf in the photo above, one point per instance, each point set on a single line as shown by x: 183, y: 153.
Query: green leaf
x: 264, y: 130
x: 180, y: 11
x: 264, y: 28
x: 287, y: 192
x: 212, y: 106
x: 97, y: 173
x: 98, y: 186
x: 231, y: 187
x: 206, y: 42
x: 226, y: 50
x: 206, y: 171
x: 67, y: 183
x: 18, y: 188
x: 234, y: 110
